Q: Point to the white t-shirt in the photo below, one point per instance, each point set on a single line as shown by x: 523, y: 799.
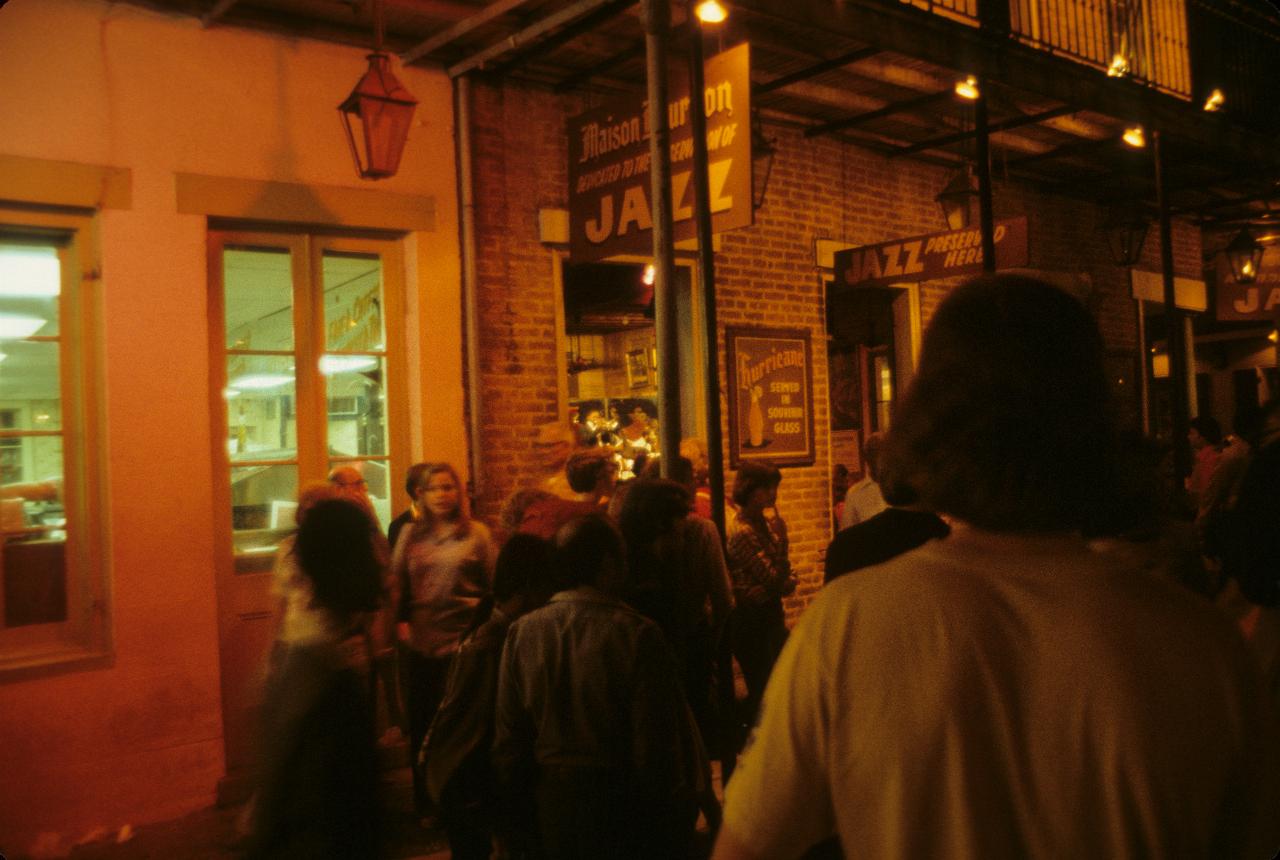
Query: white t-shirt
x: 861, y: 503
x: 994, y: 696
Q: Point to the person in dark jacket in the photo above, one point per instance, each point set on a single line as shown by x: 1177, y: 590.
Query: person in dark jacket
x: 456, y: 751
x: 898, y: 528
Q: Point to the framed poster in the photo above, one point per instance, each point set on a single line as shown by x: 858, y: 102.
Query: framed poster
x: 770, y: 396
x: 637, y: 368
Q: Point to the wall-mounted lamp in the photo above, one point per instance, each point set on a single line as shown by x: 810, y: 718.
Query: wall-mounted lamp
x: 1244, y: 255
x: 711, y: 12
x: 1126, y: 232
x: 1119, y: 66
x: 1135, y: 136
x: 383, y: 108
x: 1214, y: 102
x: 968, y: 88
x: 956, y: 198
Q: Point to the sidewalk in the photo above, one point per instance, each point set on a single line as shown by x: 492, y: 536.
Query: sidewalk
x: 210, y: 834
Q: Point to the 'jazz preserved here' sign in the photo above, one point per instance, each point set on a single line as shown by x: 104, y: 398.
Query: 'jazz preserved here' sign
x: 937, y: 255
x: 609, y: 182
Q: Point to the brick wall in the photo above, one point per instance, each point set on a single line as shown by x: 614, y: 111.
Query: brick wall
x: 766, y: 275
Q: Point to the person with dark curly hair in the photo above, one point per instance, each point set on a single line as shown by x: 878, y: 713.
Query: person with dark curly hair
x: 1015, y: 690
x: 319, y: 793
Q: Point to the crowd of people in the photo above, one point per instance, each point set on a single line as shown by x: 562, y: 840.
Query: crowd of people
x: 1007, y: 658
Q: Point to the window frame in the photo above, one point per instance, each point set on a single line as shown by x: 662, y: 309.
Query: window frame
x: 312, y: 459
x: 84, y: 639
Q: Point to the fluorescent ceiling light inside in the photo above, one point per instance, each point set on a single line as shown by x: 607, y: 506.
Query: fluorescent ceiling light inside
x: 229, y: 393
x: 261, y: 381
x: 29, y: 273
x: 331, y: 364
x: 18, y: 326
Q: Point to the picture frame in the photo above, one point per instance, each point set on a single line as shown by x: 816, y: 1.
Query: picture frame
x: 770, y: 376
x: 638, y: 368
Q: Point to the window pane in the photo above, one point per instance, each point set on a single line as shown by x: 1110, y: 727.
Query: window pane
x: 261, y: 420
x: 33, y: 517
x: 376, y: 485
x: 30, y: 283
x: 357, y: 405
x: 35, y: 579
x: 29, y: 386
x: 263, y: 500
x: 353, y: 303
x: 258, y: 298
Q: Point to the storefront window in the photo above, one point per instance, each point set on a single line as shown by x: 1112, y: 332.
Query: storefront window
x: 50, y: 605
x: 612, y: 359
x: 305, y: 388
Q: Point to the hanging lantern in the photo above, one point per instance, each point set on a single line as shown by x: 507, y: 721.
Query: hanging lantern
x: 1244, y: 255
x: 1126, y: 233
x: 956, y: 198
x: 382, y: 108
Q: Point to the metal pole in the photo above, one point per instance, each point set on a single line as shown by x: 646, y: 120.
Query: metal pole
x: 657, y: 21
x: 471, y: 306
x: 982, y: 155
x: 707, y: 274
x: 1176, y: 331
x: 1144, y: 384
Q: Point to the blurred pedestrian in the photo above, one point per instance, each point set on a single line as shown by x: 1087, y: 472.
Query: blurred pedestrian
x: 318, y: 792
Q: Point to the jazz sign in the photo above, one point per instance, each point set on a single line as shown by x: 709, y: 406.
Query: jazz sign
x: 1257, y: 301
x: 925, y: 258
x: 609, y: 182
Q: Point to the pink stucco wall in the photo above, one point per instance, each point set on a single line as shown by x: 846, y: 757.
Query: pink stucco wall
x: 111, y: 84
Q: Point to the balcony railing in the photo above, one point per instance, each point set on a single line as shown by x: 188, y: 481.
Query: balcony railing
x: 1237, y: 51
x: 1143, y: 40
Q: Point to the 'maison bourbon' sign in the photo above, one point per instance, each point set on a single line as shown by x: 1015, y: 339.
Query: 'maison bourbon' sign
x: 937, y: 255
x: 609, y: 182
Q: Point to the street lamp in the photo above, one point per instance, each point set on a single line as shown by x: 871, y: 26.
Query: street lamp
x: 1126, y: 232
x: 382, y: 107
x: 1244, y: 255
x: 956, y: 198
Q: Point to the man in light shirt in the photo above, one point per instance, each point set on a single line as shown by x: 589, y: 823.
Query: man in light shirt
x: 1013, y: 690
x: 864, y: 500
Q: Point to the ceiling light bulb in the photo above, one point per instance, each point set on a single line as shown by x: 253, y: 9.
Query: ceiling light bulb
x: 968, y: 88
x: 711, y: 12
x: 1119, y: 66
x: 1213, y: 104
x: 19, y: 326
x: 1135, y: 136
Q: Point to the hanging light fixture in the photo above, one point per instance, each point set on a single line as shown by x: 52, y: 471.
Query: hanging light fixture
x: 956, y: 198
x: 1126, y: 233
x: 382, y: 108
x: 1214, y: 102
x: 1135, y: 136
x: 1244, y: 255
